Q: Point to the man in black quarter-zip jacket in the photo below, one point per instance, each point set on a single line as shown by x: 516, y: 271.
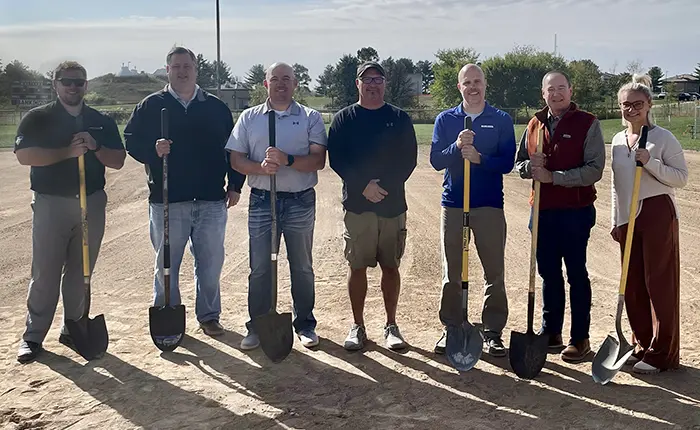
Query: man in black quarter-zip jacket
x: 199, y: 127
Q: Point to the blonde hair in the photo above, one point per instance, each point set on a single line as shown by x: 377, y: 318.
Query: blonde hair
x: 641, y: 84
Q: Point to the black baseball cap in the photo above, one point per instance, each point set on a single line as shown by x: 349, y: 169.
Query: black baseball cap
x: 362, y: 68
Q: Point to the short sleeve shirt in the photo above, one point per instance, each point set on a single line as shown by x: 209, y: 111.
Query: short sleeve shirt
x: 296, y: 129
x: 52, y: 127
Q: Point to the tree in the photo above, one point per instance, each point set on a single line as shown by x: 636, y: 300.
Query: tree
x: 587, y: 82
x: 634, y: 66
x: 425, y: 68
x: 398, y: 84
x: 343, y: 89
x: 367, y: 54
x: 446, y: 68
x: 697, y: 72
x: 302, y: 75
x: 255, y: 76
x: 224, y: 72
x: 205, y: 73
x: 515, y: 79
x: 325, y: 81
x: 656, y: 76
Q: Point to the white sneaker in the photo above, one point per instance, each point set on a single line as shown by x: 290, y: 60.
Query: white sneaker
x: 251, y: 341
x: 645, y: 368
x: 393, y: 337
x: 356, y: 338
x: 308, y: 338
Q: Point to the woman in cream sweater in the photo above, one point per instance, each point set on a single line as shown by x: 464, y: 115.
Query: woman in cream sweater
x: 652, y: 293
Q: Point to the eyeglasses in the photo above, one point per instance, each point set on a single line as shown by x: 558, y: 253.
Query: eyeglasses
x: 638, y: 105
x: 66, y: 82
x: 372, y: 79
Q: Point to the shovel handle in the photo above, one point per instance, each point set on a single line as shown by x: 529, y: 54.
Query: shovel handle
x: 634, y: 205
x: 84, y: 221
x: 273, y: 210
x: 533, y: 243
x: 465, y: 224
x: 164, y: 128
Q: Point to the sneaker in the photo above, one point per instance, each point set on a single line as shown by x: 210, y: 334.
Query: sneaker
x: 632, y: 360
x: 251, y: 341
x: 393, y: 337
x: 441, y: 343
x: 576, y: 351
x: 645, y: 368
x: 212, y: 328
x: 308, y: 338
x: 28, y: 351
x: 495, y: 347
x: 356, y: 338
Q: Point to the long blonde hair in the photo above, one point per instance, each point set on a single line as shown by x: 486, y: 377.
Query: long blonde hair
x: 641, y: 84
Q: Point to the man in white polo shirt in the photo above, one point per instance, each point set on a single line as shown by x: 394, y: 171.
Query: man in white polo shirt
x: 299, y: 153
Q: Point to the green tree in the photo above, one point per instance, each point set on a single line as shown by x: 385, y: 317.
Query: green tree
x: 587, y: 82
x: 367, y: 54
x: 325, y: 81
x: 343, y: 89
x: 205, y: 73
x: 445, y: 70
x: 224, y: 72
x: 398, y: 84
x: 656, y: 76
x: 302, y: 75
x: 425, y: 68
x: 255, y: 76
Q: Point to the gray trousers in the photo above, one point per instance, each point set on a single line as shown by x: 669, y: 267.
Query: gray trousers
x: 57, y: 262
x: 488, y: 225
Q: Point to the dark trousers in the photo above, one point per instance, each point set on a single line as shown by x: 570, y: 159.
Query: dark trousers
x: 563, y: 235
x: 652, y: 295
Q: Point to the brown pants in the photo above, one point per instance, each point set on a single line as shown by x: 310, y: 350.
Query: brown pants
x: 652, y: 295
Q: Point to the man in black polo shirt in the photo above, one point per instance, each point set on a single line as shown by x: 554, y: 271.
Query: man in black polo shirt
x: 199, y: 127
x: 372, y: 146
x: 50, y: 139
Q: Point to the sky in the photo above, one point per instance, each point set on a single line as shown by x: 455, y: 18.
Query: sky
x: 105, y: 34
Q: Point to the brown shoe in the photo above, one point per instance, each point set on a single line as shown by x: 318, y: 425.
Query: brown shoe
x: 212, y: 328
x: 576, y: 351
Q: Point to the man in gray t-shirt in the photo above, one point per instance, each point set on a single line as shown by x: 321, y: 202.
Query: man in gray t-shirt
x: 299, y: 153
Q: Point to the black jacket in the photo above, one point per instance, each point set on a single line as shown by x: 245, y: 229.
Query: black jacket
x: 198, y: 162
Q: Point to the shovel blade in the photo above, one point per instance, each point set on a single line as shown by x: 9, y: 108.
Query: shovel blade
x: 89, y: 336
x: 528, y: 353
x: 464, y: 345
x: 276, y: 335
x: 167, y: 325
x: 609, y: 359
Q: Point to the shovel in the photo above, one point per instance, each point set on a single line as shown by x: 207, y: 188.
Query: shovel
x: 167, y: 323
x: 89, y: 335
x: 614, y: 353
x: 464, y: 342
x: 528, y: 351
x: 274, y: 330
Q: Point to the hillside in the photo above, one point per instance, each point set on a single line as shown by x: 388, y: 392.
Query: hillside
x: 110, y: 89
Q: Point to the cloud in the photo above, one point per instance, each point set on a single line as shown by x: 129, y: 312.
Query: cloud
x: 315, y: 33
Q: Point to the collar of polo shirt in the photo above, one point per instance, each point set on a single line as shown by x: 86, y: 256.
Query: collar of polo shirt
x: 293, y: 109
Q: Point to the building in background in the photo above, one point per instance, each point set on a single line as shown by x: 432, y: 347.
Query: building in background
x: 236, y: 99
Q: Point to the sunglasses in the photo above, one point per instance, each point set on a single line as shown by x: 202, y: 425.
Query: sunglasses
x: 66, y: 82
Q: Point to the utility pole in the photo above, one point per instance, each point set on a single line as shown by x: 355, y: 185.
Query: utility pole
x: 218, y: 50
x: 555, y: 43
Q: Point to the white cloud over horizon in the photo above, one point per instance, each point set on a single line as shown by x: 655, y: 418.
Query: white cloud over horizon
x: 316, y: 33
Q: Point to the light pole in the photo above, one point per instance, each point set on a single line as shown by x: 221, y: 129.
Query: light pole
x: 218, y: 51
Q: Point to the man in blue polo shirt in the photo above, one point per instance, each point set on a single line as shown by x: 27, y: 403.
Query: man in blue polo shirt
x: 490, y: 147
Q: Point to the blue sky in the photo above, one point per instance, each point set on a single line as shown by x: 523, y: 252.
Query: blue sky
x: 105, y: 34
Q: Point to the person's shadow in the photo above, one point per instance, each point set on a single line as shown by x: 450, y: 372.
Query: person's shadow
x: 146, y: 401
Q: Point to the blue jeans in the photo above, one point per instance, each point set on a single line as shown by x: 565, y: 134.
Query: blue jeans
x: 563, y: 235
x: 296, y: 215
x: 203, y: 224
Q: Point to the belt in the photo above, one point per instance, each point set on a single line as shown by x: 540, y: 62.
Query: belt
x: 280, y: 194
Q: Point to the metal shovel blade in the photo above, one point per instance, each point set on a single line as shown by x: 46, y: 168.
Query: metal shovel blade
x: 167, y: 325
x: 609, y: 359
x: 275, y: 333
x: 89, y: 336
x: 463, y: 346
x: 528, y: 353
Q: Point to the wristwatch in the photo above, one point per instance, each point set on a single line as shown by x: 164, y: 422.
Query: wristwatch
x: 290, y: 159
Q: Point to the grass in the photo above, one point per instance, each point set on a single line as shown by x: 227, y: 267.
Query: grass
x: 424, y: 132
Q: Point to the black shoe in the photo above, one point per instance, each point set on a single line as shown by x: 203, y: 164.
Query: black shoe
x: 212, y: 328
x: 555, y: 342
x: 28, y: 351
x: 495, y: 347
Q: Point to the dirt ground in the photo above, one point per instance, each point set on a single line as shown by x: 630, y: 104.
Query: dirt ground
x: 210, y: 383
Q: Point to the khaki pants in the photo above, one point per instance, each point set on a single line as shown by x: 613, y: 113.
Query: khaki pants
x: 488, y: 226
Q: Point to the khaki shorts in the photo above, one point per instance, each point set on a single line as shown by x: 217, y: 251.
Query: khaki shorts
x: 371, y: 239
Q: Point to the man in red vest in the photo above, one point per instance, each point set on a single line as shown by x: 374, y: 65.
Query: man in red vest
x: 571, y: 162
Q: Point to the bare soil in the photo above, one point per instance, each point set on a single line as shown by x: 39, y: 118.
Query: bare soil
x: 209, y: 383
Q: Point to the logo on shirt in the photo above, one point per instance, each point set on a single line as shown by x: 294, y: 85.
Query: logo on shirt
x: 18, y: 141
x: 295, y: 122
x: 389, y: 124
x: 566, y: 136
x: 486, y: 126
